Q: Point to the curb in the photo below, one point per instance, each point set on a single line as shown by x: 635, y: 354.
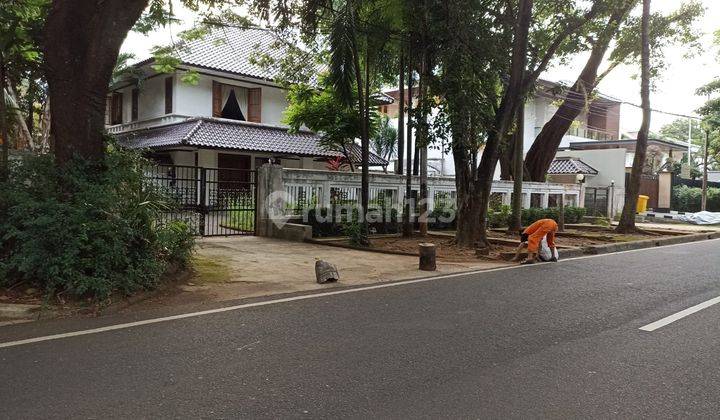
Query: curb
x: 648, y: 243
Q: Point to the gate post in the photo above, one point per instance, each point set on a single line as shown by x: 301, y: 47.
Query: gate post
x: 203, y: 201
x: 270, y: 197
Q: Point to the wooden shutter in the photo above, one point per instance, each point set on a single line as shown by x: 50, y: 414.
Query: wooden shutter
x: 254, y: 105
x: 108, y: 109
x: 216, y: 99
x: 135, y: 104
x: 117, y: 108
x: 169, y: 95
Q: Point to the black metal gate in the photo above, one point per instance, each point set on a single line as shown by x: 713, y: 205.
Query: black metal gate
x: 214, y: 201
x: 596, y: 201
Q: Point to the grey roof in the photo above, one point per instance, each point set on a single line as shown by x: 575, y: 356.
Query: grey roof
x: 236, y: 135
x: 565, y: 166
x: 231, y: 50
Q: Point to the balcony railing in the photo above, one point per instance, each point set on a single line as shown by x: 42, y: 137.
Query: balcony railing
x: 586, y: 133
x: 150, y: 122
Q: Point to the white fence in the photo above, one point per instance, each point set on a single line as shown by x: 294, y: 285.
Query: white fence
x: 314, y: 188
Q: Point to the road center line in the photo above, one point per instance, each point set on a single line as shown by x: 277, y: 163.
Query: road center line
x: 680, y: 315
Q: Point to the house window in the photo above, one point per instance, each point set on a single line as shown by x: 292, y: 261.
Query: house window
x: 231, y: 102
x: 116, y: 111
x: 169, y: 95
x: 135, y: 104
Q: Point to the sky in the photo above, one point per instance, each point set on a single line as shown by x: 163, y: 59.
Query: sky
x: 674, y: 93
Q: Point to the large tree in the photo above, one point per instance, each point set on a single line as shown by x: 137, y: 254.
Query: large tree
x: 618, y: 33
x: 82, y: 39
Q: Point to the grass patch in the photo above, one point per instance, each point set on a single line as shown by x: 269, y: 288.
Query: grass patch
x: 208, y: 270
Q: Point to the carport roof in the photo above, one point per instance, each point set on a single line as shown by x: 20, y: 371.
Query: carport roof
x: 570, y: 166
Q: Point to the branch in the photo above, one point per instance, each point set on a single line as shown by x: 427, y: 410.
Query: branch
x: 557, y: 42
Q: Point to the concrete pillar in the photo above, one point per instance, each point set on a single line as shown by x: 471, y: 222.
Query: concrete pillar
x: 507, y: 198
x: 270, y: 198
x: 545, y: 200
x: 326, y: 196
x: 526, y: 200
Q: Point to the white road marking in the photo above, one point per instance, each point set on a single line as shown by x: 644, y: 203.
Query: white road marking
x: 680, y: 315
x: 303, y: 297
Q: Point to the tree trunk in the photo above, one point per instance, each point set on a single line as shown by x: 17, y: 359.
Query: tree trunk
x: 4, y: 132
x: 543, y: 150
x: 515, y: 223
x: 82, y: 39
x: 364, y: 98
x: 627, y: 220
x: 468, y: 208
x: 507, y: 162
x: 422, y: 144
x: 401, y: 113
x: 509, y: 105
x: 409, y: 203
x: 416, y: 158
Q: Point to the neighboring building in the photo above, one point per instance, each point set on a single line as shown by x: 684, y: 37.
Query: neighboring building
x: 599, y: 122
x: 232, y: 118
x: 661, y: 150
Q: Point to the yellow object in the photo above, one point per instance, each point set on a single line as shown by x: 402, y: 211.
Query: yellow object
x: 642, y: 203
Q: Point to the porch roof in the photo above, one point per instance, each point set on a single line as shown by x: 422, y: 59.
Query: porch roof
x: 214, y: 133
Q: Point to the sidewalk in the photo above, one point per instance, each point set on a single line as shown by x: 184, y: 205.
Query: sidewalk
x: 229, y: 268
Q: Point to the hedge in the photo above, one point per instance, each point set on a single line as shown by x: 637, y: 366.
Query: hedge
x: 689, y: 199
x: 327, y: 222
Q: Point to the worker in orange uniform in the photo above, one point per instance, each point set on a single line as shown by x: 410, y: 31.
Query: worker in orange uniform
x: 532, y: 237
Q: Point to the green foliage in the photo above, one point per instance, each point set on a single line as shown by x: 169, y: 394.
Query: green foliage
x: 353, y: 230
x: 323, y: 112
x: 86, y: 231
x: 384, y: 140
x: 689, y: 199
x: 501, y: 217
x: 329, y: 222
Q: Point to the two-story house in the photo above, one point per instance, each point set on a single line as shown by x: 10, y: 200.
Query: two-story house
x: 231, y: 118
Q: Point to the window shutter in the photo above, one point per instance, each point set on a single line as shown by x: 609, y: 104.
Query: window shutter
x: 169, y: 95
x: 117, y: 108
x: 254, y: 105
x: 216, y: 99
x: 135, y: 104
x: 108, y: 109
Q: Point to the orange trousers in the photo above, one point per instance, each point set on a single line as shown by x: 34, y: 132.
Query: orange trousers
x: 538, y: 230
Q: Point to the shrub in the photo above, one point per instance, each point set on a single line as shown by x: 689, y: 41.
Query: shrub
x: 501, y: 218
x: 331, y: 221
x: 443, y: 216
x: 86, y: 231
x: 689, y: 199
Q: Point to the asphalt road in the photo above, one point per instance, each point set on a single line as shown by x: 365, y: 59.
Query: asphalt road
x: 551, y: 340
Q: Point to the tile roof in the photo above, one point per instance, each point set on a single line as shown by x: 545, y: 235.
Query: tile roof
x: 232, y: 49
x: 236, y: 135
x: 563, y: 166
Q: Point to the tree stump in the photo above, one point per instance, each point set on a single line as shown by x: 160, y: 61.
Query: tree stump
x: 427, y: 257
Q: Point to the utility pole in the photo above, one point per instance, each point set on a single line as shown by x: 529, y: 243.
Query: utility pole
x: 689, y: 142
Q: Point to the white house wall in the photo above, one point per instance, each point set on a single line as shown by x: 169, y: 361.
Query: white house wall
x: 196, y: 100
x: 610, y: 164
x: 151, y: 99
